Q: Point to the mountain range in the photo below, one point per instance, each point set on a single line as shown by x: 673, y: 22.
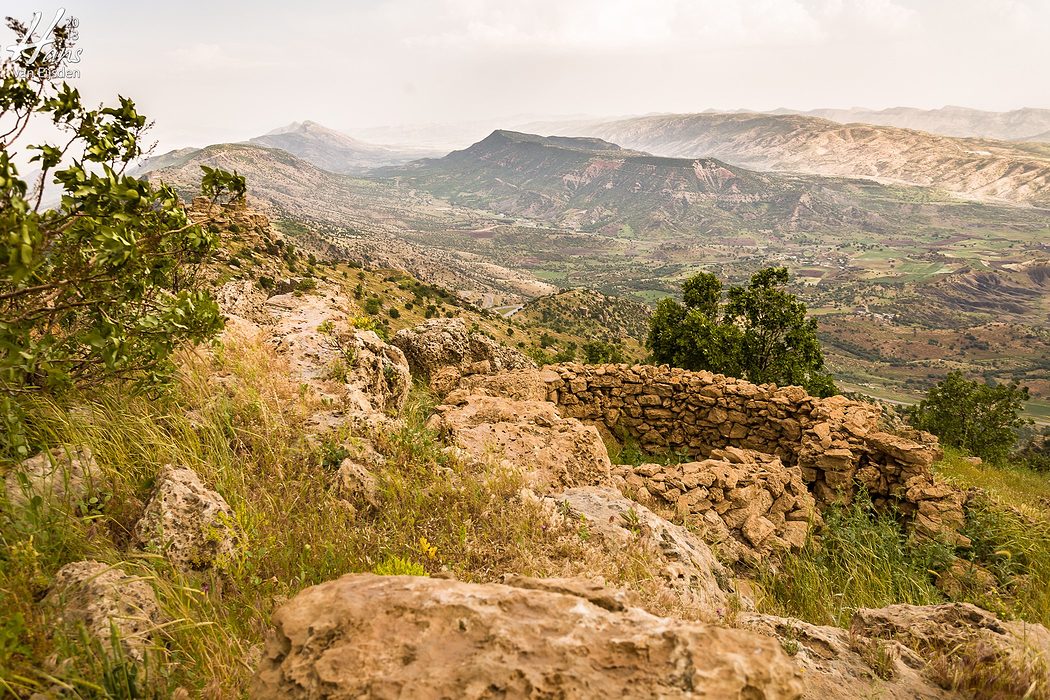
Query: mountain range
x: 969, y: 167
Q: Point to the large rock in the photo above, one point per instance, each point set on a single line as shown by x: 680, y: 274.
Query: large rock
x: 61, y: 477
x: 685, y: 563
x: 189, y: 523
x: 967, y: 647
x: 415, y: 637
x: 378, y: 378
x: 528, y: 436
x: 103, y: 597
x: 840, y: 665
x: 446, y: 342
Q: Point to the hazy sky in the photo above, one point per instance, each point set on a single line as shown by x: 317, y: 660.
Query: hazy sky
x: 216, y: 71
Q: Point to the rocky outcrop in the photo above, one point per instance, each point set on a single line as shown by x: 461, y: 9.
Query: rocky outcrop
x: 526, y: 436
x: 363, y: 379
x: 399, y: 636
x: 835, y: 442
x: 189, y: 523
x: 840, y: 665
x: 62, y: 477
x: 104, y: 598
x: 446, y: 342
x: 967, y: 648
x: 683, y: 561
x: 745, y: 503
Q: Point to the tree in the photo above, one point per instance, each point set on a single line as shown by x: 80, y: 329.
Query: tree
x: 760, y: 332
x: 105, y: 284
x: 980, y: 418
x: 598, y: 352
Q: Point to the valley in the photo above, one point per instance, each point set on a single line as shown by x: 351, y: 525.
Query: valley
x: 908, y: 282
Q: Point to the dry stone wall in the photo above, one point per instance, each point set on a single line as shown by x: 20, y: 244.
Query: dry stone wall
x: 837, y: 444
x: 745, y: 503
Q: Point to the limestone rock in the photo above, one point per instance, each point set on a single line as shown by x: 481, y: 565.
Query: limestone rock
x: 526, y: 435
x: 956, y: 628
x: 399, y: 636
x: 379, y: 374
x: 444, y: 342
x: 99, y: 596
x: 62, y: 476
x: 687, y: 565
x: 839, y: 665
x: 191, y: 524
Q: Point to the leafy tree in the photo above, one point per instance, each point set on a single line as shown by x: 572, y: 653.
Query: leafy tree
x: 597, y: 352
x: 758, y: 332
x: 373, y: 306
x: 977, y: 417
x: 105, y: 284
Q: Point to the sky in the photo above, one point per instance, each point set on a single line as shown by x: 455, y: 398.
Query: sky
x: 216, y: 71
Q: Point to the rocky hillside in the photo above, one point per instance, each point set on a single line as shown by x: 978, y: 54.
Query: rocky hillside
x: 589, y: 314
x: 971, y: 167
x: 323, y: 507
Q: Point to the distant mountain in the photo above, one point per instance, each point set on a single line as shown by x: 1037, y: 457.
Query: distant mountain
x: 590, y: 184
x: 1019, y: 124
x: 977, y: 168
x: 334, y: 151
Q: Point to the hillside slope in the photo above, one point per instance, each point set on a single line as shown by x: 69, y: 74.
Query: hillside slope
x: 331, y: 150
x: 972, y: 167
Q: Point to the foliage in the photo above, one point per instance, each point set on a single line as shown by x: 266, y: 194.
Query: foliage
x: 760, y: 332
x: 103, y: 285
x: 976, y: 417
x: 597, y: 352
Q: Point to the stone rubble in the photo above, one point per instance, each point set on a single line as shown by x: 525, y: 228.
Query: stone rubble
x: 745, y: 503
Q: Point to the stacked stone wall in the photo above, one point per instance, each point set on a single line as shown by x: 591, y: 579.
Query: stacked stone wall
x: 837, y: 444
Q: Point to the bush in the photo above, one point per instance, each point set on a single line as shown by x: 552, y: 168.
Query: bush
x: 760, y: 333
x: 103, y: 286
x: 373, y: 306
x: 976, y: 417
x: 597, y: 352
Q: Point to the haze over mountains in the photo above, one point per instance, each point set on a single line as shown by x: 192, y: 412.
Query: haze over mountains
x: 1017, y: 125
x: 911, y: 246
x: 980, y: 168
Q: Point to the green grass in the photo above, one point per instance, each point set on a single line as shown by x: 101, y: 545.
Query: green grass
x: 862, y: 559
x: 431, y: 513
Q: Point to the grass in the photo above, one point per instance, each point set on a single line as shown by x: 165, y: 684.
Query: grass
x: 862, y: 559
x: 235, y: 418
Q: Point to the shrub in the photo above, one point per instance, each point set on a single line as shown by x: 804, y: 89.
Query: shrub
x: 373, y: 306
x: 977, y: 417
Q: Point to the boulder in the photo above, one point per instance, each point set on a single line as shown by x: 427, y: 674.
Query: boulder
x: 102, y: 597
x: 379, y: 379
x: 62, y: 476
x: 401, y: 636
x: 838, y: 665
x: 189, y: 523
x: 687, y: 566
x: 965, y: 648
x: 446, y: 342
x: 529, y: 436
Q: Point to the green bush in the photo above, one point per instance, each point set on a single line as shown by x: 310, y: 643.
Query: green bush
x: 759, y: 333
x: 977, y: 417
